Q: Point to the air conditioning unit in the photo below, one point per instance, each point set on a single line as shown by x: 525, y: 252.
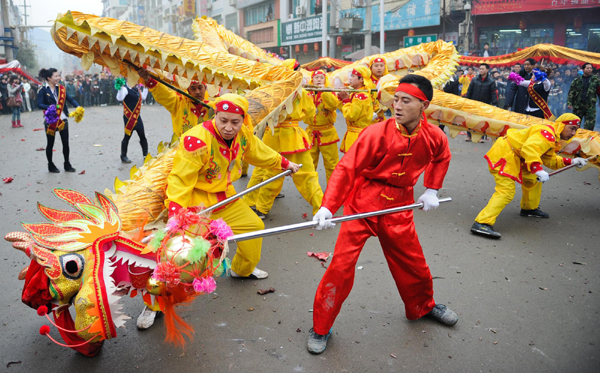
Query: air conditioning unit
x: 359, y: 3
x: 300, y: 11
x: 209, y: 6
x: 234, y: 30
x: 233, y: 3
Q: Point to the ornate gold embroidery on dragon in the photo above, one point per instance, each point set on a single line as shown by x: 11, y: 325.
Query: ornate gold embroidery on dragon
x: 91, y: 257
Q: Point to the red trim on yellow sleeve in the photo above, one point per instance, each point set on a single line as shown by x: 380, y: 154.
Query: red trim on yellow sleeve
x: 567, y: 161
x: 535, y: 167
x: 151, y: 83
x: 284, y: 163
x: 174, y: 208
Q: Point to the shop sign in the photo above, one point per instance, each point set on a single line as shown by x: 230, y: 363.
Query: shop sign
x: 451, y: 37
x: 415, y: 13
x: 302, y: 30
x: 189, y: 8
x: 346, y: 50
x: 511, y: 6
x: 410, y: 41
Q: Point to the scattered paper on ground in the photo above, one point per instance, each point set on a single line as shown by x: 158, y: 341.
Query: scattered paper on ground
x: 321, y: 256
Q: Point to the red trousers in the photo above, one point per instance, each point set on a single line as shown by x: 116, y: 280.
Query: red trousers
x: 405, y: 259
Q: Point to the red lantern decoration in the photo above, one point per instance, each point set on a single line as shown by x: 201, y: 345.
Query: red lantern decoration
x: 316, y: 47
x: 305, y: 48
x: 339, y: 41
x: 297, y: 49
x: 411, y: 32
x: 384, y: 37
x: 578, y: 23
x: 522, y: 24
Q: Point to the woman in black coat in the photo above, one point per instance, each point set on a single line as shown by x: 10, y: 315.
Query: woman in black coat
x: 51, y: 95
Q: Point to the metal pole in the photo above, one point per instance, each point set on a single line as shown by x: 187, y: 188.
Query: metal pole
x: 567, y: 167
x: 241, y: 194
x: 324, y: 28
x: 312, y: 224
x: 368, y: 17
x: 444, y: 20
x: 332, y: 18
x: 381, y: 28
x: 8, y: 50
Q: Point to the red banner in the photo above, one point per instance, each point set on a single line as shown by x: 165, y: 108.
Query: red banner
x: 511, y: 6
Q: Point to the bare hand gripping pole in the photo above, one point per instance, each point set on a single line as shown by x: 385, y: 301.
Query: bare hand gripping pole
x: 312, y: 224
x: 251, y: 189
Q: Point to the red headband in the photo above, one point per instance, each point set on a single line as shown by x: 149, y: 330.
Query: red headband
x: 318, y: 72
x: 229, y: 107
x: 412, y: 90
x: 197, y: 82
x: 574, y: 122
x: 378, y: 59
x: 354, y: 72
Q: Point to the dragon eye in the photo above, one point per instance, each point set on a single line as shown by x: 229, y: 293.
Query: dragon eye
x: 72, y: 266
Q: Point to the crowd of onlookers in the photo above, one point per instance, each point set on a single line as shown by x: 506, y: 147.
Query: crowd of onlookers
x: 560, y: 76
x: 87, y: 90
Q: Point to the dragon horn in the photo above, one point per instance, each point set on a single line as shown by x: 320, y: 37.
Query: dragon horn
x: 20, y: 241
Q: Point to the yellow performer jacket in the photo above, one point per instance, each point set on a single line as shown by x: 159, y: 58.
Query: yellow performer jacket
x: 321, y: 131
x: 378, y: 108
x: 288, y: 137
x: 358, y: 111
x: 526, y: 150
x: 184, y: 113
x: 205, y: 167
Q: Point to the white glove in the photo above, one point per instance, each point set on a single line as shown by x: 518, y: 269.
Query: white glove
x: 374, y: 116
x: 542, y: 176
x: 579, y: 162
x: 429, y: 200
x: 121, y: 94
x: 321, y: 217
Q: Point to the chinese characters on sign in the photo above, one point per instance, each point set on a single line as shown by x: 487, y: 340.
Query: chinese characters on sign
x: 507, y: 6
x: 415, y: 13
x: 304, y: 30
x: 410, y: 41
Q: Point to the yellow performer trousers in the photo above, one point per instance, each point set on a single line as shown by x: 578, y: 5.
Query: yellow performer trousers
x: 245, y: 167
x: 505, y: 192
x: 331, y: 157
x: 306, y: 181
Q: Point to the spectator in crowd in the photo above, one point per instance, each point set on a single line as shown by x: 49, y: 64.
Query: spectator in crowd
x: 71, y: 90
x: 15, y: 100
x: 555, y: 98
x: 486, y: 52
x: 95, y: 92
x: 86, y: 87
x: 453, y: 85
x: 26, y: 90
x: 583, y: 95
x: 4, y: 95
x: 483, y: 89
x: 517, y: 96
x: 465, y: 80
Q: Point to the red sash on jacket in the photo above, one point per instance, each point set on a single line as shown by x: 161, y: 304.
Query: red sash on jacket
x: 539, y: 101
x: 132, y: 116
x: 60, y: 105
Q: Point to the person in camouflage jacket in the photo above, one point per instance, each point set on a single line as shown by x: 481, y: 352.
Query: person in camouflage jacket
x: 583, y: 101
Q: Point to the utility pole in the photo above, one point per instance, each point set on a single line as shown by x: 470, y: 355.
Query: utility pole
x: 332, y: 30
x: 25, y: 16
x: 324, y: 28
x: 8, y: 50
x: 444, y: 20
x: 381, y: 28
x: 368, y: 29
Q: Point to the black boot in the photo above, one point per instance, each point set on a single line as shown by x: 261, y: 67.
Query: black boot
x: 68, y: 167
x: 536, y: 213
x: 52, y: 168
x: 124, y: 158
x: 485, y: 230
x: 144, y: 144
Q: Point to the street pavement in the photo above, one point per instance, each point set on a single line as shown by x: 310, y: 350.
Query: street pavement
x: 527, y: 303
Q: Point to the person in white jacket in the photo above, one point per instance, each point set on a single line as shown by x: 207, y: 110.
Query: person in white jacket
x: 26, y: 89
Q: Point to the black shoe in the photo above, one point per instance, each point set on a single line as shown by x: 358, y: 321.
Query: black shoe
x: 124, y: 159
x: 485, y: 230
x: 52, y: 168
x: 261, y: 215
x: 537, y: 213
x: 317, y: 343
x: 68, y: 167
x: 280, y: 195
x: 443, y: 314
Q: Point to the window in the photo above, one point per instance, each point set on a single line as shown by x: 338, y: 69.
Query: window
x: 507, y: 39
x: 580, y: 39
x: 231, y: 21
x: 260, y: 13
x: 261, y: 36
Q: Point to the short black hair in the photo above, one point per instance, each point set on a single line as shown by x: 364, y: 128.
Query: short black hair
x: 47, y: 73
x: 585, y: 64
x: 484, y: 44
x: 517, y: 64
x: 421, y: 82
x: 531, y: 61
x: 486, y: 65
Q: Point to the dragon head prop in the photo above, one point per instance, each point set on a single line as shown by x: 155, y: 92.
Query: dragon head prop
x: 83, y: 259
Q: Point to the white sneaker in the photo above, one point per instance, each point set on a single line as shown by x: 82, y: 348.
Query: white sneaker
x: 257, y: 274
x: 146, y: 318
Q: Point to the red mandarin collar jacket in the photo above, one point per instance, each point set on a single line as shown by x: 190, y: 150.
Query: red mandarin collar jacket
x: 381, y: 168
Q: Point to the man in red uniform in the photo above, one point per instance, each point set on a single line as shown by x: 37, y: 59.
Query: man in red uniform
x: 379, y: 172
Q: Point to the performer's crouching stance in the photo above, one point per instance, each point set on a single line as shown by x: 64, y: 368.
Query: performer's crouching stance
x: 378, y: 172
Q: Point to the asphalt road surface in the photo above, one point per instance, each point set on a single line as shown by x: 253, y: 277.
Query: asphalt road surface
x: 528, y: 302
